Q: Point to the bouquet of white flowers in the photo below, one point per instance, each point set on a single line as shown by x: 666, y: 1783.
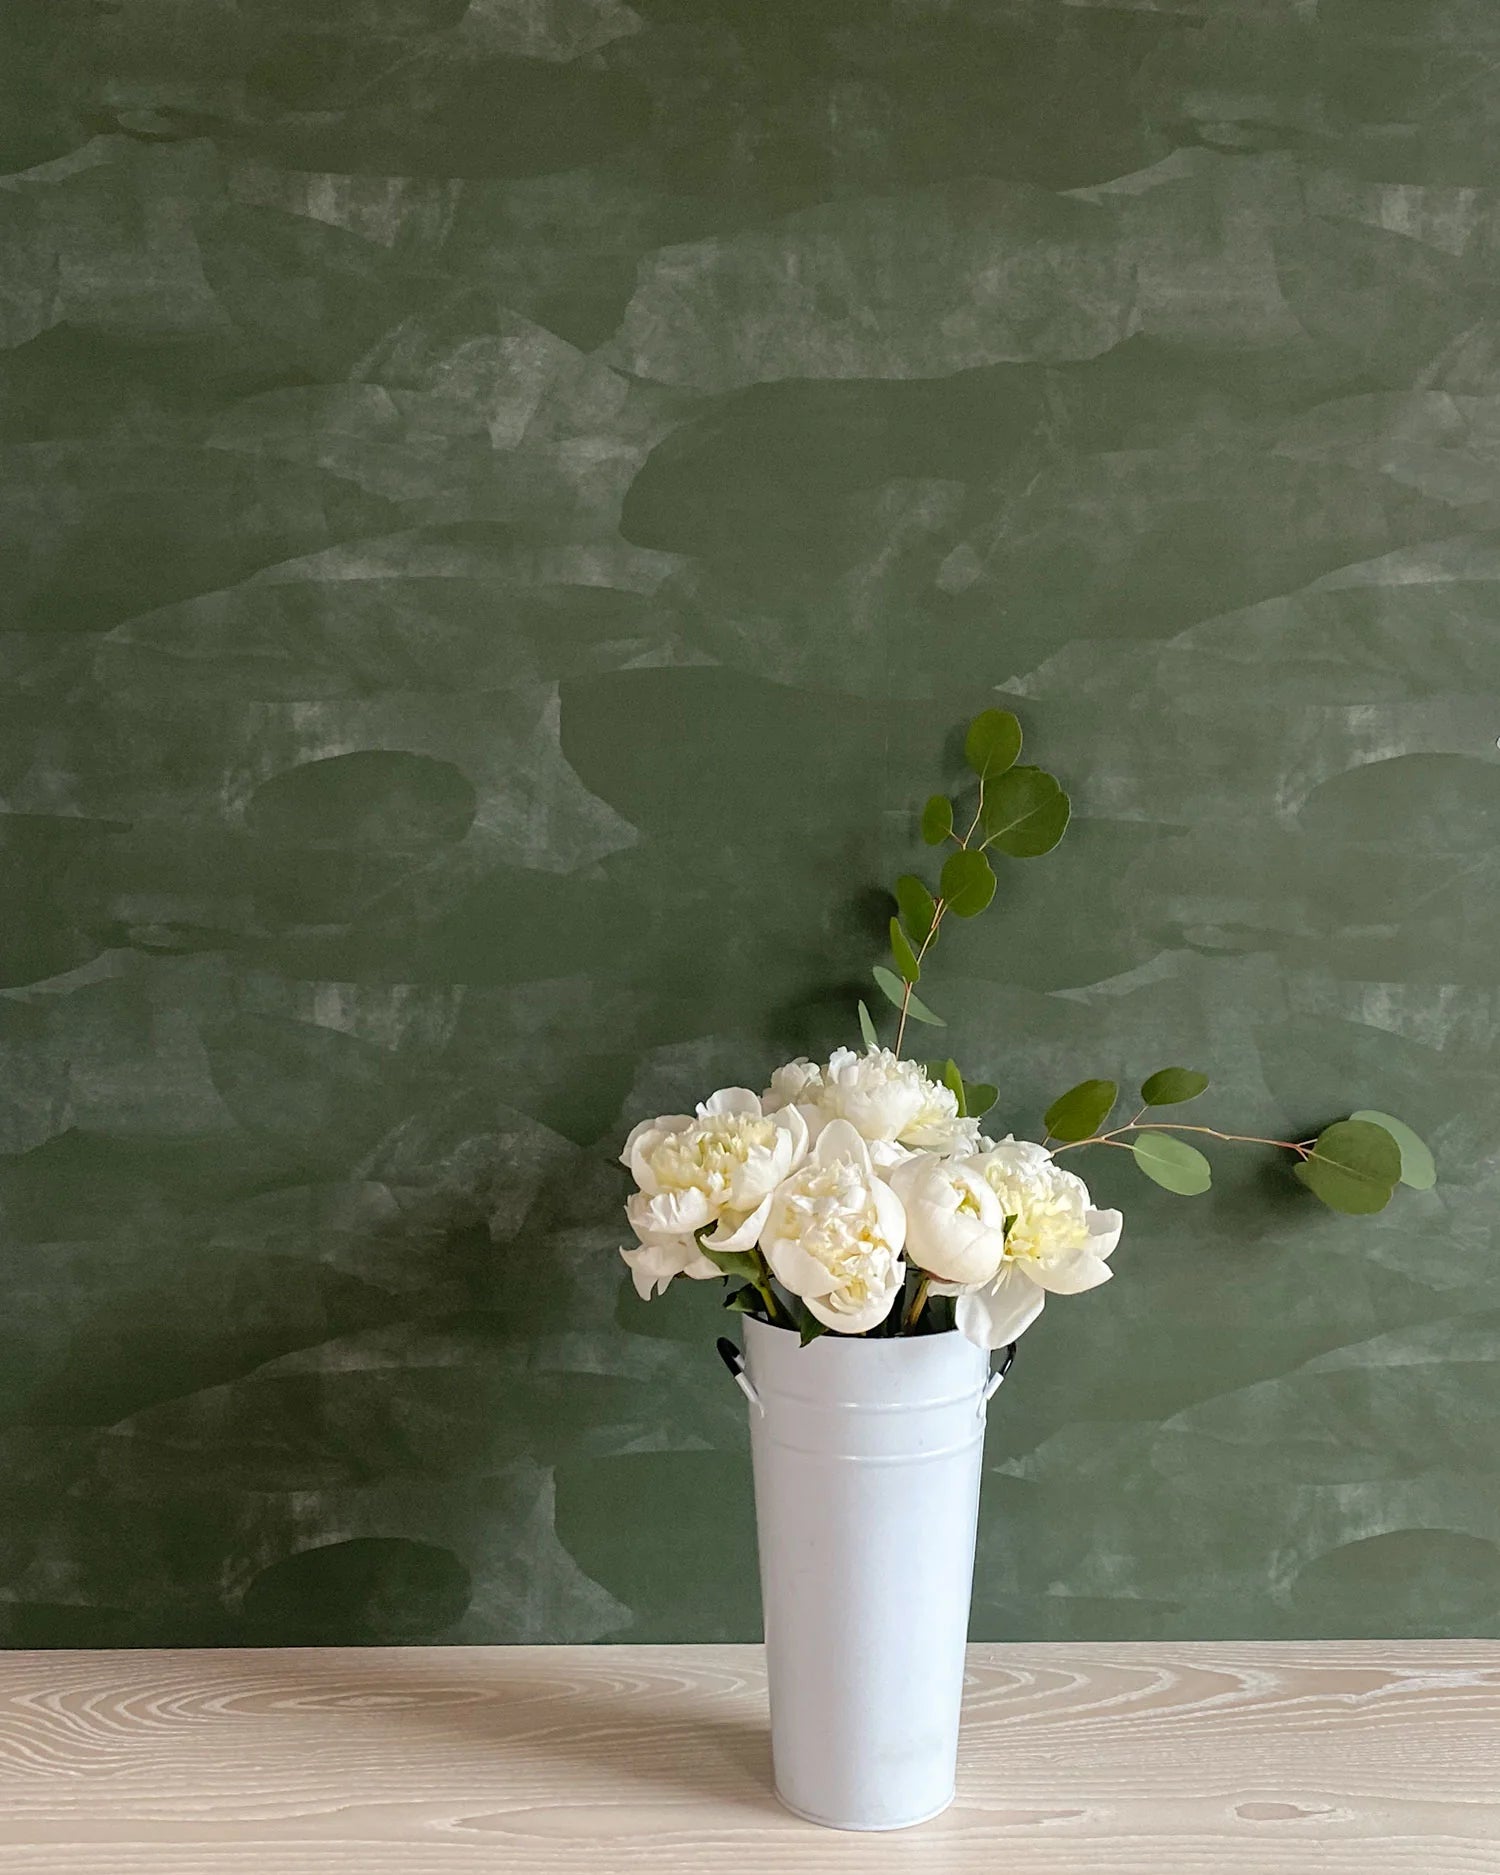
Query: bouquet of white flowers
x: 859, y: 1195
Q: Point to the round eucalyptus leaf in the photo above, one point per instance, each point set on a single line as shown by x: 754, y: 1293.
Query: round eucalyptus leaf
x: 967, y: 883
x: 867, y: 1026
x: 1418, y: 1169
x: 1169, y: 1087
x: 1354, y: 1167
x: 918, y: 908
x: 993, y: 743
x: 937, y: 819
x: 1079, y: 1113
x: 1172, y: 1163
x: 979, y: 1097
x: 1025, y: 813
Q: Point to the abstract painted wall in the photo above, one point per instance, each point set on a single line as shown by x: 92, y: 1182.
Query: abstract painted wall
x: 504, y: 501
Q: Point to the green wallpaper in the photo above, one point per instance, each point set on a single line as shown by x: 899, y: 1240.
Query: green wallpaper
x: 503, y: 503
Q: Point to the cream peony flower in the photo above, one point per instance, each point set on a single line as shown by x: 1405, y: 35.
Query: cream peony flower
x: 717, y: 1168
x: 893, y: 1104
x: 835, y: 1232
x: 955, y: 1227
x: 793, y: 1082
x: 1056, y: 1241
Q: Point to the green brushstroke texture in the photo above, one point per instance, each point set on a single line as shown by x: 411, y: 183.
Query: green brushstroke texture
x: 503, y: 505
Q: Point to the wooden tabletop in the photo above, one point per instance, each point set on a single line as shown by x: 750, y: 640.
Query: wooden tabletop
x: 1240, y: 1759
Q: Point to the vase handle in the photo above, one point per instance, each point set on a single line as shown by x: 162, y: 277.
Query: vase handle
x: 993, y: 1386
x: 730, y: 1355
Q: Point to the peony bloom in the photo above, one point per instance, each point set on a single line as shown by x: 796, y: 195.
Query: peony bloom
x: 955, y: 1225
x: 717, y: 1169
x: 893, y: 1104
x: 1056, y: 1240
x: 835, y: 1232
x: 793, y: 1083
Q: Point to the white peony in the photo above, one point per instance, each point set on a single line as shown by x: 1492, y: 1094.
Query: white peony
x: 893, y: 1104
x: 717, y: 1168
x: 955, y: 1226
x: 1056, y: 1241
x: 835, y: 1232
x: 793, y: 1082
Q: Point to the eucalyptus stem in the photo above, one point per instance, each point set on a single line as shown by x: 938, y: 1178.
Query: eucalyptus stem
x: 1302, y: 1148
x: 940, y: 905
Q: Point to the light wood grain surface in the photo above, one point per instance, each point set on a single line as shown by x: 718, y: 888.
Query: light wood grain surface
x: 1241, y: 1759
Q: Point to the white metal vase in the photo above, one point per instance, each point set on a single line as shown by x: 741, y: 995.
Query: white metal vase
x: 867, y: 1466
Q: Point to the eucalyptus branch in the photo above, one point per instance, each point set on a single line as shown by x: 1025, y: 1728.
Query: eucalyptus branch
x: 1353, y: 1165
x: 1303, y: 1148
x: 939, y: 910
x: 1021, y: 812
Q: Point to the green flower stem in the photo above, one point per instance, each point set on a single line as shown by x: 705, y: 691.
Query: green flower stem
x: 918, y: 1302
x: 774, y: 1311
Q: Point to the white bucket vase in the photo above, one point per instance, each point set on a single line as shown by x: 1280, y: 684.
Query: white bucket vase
x: 867, y: 1466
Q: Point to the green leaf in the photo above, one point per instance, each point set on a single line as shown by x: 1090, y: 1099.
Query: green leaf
x: 745, y: 1301
x: 746, y: 1263
x: 1025, y: 813
x: 979, y: 1097
x: 1079, y: 1113
x: 993, y: 743
x: 1354, y: 1167
x: 1417, y: 1167
x: 1172, y: 1163
x: 917, y: 907
x: 905, y: 956
x: 937, y: 819
x: 811, y: 1327
x: 894, y: 991
x: 967, y: 883
x: 867, y: 1026
x: 954, y: 1082
x: 1169, y: 1087
x: 917, y: 1009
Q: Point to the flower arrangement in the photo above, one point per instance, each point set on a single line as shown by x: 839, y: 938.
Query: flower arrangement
x: 860, y: 1196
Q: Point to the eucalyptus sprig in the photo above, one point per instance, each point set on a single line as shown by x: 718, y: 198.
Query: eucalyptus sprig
x: 1352, y: 1165
x: 1021, y: 812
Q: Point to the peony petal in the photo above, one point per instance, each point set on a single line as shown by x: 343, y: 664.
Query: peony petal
x: 795, y: 1270
x: 890, y: 1213
x: 887, y: 1154
x: 643, y: 1138
x: 653, y: 1265
x: 839, y: 1140
x: 731, y: 1100
x: 1070, y: 1272
x: 855, y: 1322
x: 1104, y: 1231
x: 741, y: 1236
x: 793, y: 1121
x: 669, y: 1213
x: 996, y: 1315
